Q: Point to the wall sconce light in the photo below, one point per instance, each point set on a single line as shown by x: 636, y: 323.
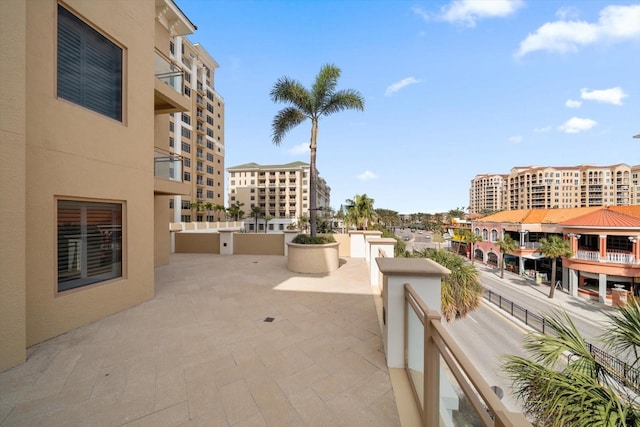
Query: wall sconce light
x: 633, y: 239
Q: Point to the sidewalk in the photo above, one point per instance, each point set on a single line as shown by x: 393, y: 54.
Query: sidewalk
x: 588, y: 310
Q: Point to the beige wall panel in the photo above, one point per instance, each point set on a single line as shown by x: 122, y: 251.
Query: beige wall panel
x: 344, y: 249
x: 162, y: 237
x: 12, y: 184
x: 258, y: 244
x: 74, y: 152
x: 197, y: 243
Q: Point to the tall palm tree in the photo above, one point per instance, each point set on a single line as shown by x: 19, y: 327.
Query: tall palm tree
x: 506, y: 245
x: 554, y: 247
x: 461, y: 290
x: 267, y: 218
x: 219, y: 209
x: 360, y: 211
x: 579, y: 390
x: 235, y: 211
x: 208, y: 206
x: 321, y: 100
x: 196, y: 207
x: 256, y: 212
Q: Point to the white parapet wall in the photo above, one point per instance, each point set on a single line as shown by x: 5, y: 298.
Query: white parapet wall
x: 425, y: 276
x: 378, y: 248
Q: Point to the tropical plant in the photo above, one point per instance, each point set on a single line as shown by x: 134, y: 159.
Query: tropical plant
x: 235, y: 211
x: 267, y: 218
x: 360, y: 211
x: 303, y: 223
x: 220, y: 209
x: 554, y: 247
x: 305, y: 239
x: 321, y: 100
x: 506, y: 245
x: 208, y: 206
x: 577, y: 390
x: 472, y: 238
x: 256, y: 212
x: 461, y: 290
x: 196, y: 207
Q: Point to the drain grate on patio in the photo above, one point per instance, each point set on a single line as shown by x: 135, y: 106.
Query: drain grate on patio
x: 269, y: 319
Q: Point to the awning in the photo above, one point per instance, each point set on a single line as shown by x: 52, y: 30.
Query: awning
x: 533, y: 256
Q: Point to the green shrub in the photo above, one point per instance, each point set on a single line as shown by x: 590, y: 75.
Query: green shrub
x: 305, y: 239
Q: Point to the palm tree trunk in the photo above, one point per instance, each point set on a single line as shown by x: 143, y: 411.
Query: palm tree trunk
x: 553, y: 278
x: 312, y: 178
x: 502, y: 266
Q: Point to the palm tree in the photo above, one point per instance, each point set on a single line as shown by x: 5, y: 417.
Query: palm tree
x: 472, y: 238
x: 235, y: 212
x: 267, y: 218
x: 506, y: 245
x: 256, y: 211
x: 321, y: 100
x: 196, y: 207
x: 304, y: 222
x: 220, y: 208
x: 461, y: 290
x: 208, y: 206
x: 578, y: 390
x: 360, y: 211
x: 554, y: 247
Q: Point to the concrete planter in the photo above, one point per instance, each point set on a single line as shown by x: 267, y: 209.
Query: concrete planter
x: 313, y: 258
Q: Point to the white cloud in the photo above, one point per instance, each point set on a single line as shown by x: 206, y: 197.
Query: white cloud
x: 299, y: 149
x: 515, y: 139
x: 577, y: 125
x: 610, y: 96
x: 467, y: 12
x: 400, y: 85
x: 367, y: 176
x: 567, y: 12
x: 542, y: 130
x: 572, y: 103
x: 422, y: 13
x: 614, y: 24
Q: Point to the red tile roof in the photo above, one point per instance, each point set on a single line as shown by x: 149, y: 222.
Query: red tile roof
x: 605, y: 218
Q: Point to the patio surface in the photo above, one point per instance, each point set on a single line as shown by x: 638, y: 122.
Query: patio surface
x: 201, y: 353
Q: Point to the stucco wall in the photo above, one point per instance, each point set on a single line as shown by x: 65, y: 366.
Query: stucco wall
x: 344, y: 250
x: 258, y: 244
x: 12, y: 183
x: 162, y: 236
x: 72, y: 152
x: 197, y: 243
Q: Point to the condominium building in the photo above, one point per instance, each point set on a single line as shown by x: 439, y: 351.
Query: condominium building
x: 486, y: 193
x: 197, y: 135
x: 87, y: 90
x: 282, y: 191
x: 548, y: 187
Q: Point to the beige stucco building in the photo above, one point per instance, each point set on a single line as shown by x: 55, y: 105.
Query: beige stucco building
x: 548, y: 187
x: 281, y: 191
x: 85, y: 155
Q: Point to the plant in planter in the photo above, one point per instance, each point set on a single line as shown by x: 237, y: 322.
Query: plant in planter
x: 305, y: 239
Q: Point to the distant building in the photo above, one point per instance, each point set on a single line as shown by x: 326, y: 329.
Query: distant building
x: 605, y: 242
x: 281, y: 191
x: 549, y: 187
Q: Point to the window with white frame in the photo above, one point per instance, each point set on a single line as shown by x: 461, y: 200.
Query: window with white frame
x: 89, y: 67
x: 90, y: 237
x: 485, y: 234
x: 494, y: 235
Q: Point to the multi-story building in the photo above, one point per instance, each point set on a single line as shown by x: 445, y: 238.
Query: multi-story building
x: 547, y: 187
x: 605, y: 242
x: 197, y: 135
x: 486, y: 194
x: 281, y: 191
x: 87, y: 89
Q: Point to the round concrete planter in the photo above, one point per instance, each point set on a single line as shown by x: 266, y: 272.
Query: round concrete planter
x: 313, y: 258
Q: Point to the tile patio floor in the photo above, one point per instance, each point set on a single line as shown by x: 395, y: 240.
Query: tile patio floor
x: 200, y: 353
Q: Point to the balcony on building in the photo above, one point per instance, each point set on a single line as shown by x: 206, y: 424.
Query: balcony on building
x: 169, y: 86
x: 167, y: 173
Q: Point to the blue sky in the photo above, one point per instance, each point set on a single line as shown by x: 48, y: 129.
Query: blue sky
x: 452, y: 88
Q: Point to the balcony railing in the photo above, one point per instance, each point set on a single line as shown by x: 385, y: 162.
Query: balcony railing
x: 612, y: 257
x: 443, y: 379
x: 168, y: 72
x: 167, y: 166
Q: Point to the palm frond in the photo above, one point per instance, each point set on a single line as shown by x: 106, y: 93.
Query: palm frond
x: 324, y: 86
x: 285, y: 120
x: 623, y: 333
x: 287, y: 90
x: 347, y: 99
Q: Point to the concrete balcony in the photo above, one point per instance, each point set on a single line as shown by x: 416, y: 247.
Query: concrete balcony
x: 167, y: 173
x: 611, y: 257
x: 168, y: 87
